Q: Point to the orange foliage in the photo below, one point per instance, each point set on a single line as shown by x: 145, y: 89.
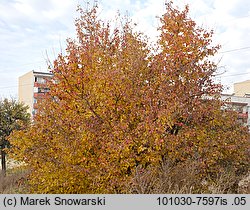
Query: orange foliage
x: 116, y: 103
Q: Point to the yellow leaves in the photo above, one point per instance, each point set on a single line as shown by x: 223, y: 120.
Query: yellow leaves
x: 119, y: 105
x: 141, y: 149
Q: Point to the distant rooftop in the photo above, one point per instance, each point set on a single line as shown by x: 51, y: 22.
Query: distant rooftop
x: 42, y: 73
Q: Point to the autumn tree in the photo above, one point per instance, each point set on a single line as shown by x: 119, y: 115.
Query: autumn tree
x: 197, y: 127
x: 117, y: 103
x: 13, y: 116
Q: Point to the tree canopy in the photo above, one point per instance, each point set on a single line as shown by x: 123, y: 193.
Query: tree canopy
x: 13, y: 116
x: 117, y: 103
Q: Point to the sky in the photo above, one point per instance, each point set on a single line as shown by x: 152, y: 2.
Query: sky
x: 35, y: 31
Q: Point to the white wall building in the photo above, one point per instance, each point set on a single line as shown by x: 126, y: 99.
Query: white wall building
x: 241, y: 104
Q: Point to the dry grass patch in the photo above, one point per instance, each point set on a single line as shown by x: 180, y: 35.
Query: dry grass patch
x: 15, y: 182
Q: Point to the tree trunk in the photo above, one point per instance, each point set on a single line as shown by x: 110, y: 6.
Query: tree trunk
x: 3, y: 161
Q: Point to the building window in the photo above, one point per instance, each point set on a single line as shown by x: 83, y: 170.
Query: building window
x: 238, y: 109
x: 34, y: 112
x: 43, y: 90
x: 40, y: 80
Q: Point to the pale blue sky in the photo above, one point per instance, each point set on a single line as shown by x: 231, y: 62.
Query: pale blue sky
x: 31, y: 29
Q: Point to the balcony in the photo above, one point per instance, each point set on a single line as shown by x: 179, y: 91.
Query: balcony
x: 40, y: 85
x: 39, y: 95
x: 35, y: 106
x: 242, y: 115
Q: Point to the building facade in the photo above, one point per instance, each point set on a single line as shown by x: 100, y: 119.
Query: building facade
x: 240, y: 104
x: 32, y: 86
x: 242, y: 88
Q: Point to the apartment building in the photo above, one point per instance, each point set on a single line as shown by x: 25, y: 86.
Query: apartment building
x: 242, y: 88
x: 240, y: 104
x: 240, y: 101
x: 32, y: 87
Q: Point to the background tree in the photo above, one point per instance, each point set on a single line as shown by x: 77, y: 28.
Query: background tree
x: 13, y: 116
x: 117, y: 104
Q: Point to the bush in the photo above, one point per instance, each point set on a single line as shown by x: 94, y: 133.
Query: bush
x: 182, y: 178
